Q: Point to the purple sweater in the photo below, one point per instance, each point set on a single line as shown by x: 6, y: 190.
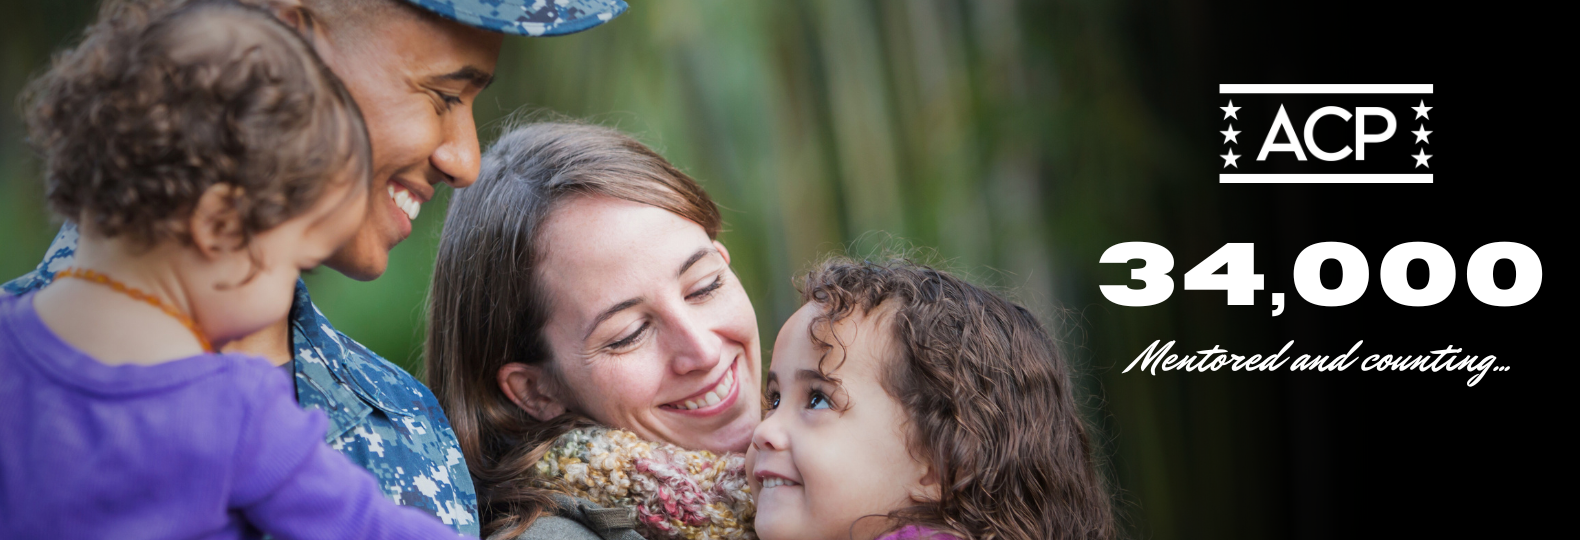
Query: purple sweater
x: 211, y: 446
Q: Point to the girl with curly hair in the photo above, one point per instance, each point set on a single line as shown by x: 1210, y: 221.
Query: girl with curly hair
x: 905, y: 403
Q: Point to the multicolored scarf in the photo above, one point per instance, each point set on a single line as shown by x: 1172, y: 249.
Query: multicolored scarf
x: 677, y: 493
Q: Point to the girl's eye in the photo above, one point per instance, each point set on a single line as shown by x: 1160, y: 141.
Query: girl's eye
x: 708, y: 291
x: 629, y: 340
x: 818, y: 401
x: 773, y: 400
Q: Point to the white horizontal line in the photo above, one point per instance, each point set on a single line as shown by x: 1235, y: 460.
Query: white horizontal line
x: 1324, y: 89
x: 1324, y: 178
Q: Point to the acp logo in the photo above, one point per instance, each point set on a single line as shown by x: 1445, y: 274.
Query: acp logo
x: 1326, y: 134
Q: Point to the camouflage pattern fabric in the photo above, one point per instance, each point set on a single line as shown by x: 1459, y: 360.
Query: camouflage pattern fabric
x: 59, y: 256
x: 527, y: 17
x: 379, y: 415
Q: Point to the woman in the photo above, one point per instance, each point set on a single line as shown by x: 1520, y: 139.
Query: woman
x: 579, y: 287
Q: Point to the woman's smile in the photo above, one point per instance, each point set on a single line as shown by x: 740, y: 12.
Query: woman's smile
x: 714, y: 399
x: 666, y: 349
x: 580, y: 281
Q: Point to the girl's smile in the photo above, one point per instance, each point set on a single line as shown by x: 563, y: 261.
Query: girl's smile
x: 833, y: 446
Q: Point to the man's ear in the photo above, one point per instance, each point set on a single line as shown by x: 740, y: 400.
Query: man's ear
x: 215, y: 225
x: 722, y: 251
x: 529, y: 387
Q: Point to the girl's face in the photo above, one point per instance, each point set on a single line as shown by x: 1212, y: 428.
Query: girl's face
x: 830, y: 453
x: 228, y: 305
x: 650, y: 330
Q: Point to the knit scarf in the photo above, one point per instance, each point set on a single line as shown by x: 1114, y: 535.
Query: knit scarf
x: 677, y: 493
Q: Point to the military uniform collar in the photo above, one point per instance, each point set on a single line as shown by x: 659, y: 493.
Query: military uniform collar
x: 338, y: 375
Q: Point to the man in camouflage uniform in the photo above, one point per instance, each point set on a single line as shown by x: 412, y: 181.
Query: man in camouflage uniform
x: 415, y: 69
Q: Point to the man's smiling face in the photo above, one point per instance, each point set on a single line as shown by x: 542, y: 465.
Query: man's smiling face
x: 415, y: 76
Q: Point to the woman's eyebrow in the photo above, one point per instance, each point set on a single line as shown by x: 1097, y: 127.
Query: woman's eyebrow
x: 622, y: 306
x: 704, y: 252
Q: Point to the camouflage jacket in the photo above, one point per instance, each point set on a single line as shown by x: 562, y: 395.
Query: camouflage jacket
x: 379, y: 415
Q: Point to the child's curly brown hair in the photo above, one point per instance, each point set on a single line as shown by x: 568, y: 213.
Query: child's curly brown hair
x: 153, y: 107
x: 989, y: 400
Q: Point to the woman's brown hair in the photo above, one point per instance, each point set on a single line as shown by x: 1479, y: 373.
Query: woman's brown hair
x: 163, y: 99
x: 487, y: 307
x: 988, y: 397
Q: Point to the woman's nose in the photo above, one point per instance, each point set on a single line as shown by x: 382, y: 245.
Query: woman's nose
x: 697, y: 347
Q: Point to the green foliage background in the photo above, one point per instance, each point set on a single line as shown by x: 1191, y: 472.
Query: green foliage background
x: 1016, y: 140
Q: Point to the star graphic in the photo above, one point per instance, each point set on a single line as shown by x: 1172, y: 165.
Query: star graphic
x: 1420, y: 135
x: 1228, y: 112
x: 1229, y: 136
x: 1420, y: 159
x: 1229, y: 159
x: 1420, y: 112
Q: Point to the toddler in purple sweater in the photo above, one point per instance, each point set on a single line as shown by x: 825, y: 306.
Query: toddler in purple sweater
x: 207, y: 156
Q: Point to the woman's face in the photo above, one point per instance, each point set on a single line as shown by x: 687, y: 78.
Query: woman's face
x: 649, y: 328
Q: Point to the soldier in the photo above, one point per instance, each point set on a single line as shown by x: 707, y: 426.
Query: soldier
x: 415, y: 68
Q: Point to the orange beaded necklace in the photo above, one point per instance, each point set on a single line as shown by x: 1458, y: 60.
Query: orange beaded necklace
x: 89, y: 275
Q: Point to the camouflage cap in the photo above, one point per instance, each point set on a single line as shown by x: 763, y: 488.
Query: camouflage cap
x: 527, y: 17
